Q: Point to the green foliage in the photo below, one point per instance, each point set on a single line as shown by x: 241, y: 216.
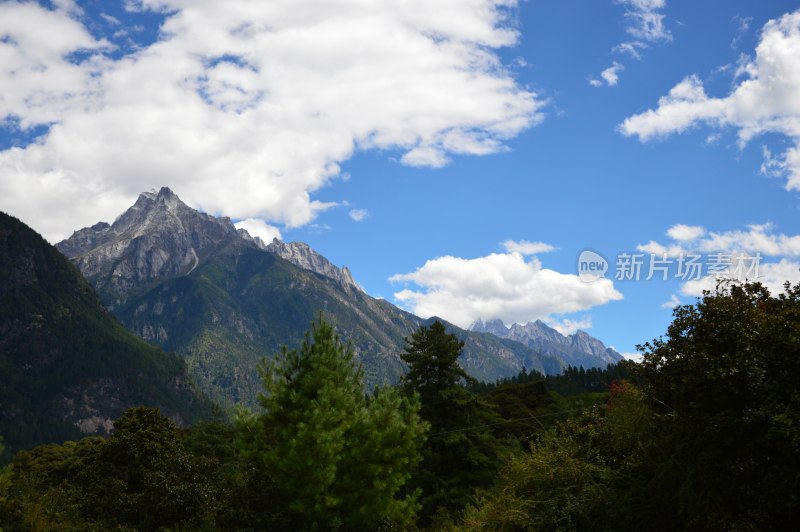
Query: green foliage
x: 336, y: 458
x: 142, y: 476
x: 241, y: 303
x: 59, y: 345
x: 572, y: 381
x: 525, y: 408
x: 462, y: 453
x: 727, y: 379
x: 42, y: 495
x: 5, y: 480
x: 432, y: 358
x: 575, y: 475
x: 709, y: 441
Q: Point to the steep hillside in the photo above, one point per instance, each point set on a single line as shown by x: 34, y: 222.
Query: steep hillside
x: 193, y: 284
x: 67, y: 366
x: 243, y: 303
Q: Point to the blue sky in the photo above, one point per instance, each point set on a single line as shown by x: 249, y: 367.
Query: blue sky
x: 410, y: 141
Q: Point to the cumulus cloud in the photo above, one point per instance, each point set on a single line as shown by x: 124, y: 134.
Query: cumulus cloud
x: 684, y: 232
x: 767, y: 100
x: 502, y: 286
x: 656, y: 248
x: 757, y: 253
x: 772, y: 275
x: 525, y: 247
x: 359, y: 214
x: 257, y: 228
x: 39, y: 83
x: 609, y: 75
x: 246, y: 108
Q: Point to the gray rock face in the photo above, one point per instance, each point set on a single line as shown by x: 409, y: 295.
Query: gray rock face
x: 254, y: 240
x: 300, y: 254
x: 158, y: 237
x: 579, y: 349
x: 161, y: 237
x: 495, y: 327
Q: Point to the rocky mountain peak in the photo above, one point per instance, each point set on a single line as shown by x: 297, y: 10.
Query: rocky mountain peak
x: 158, y: 237
x: 495, y: 327
x: 578, y: 349
x: 252, y: 239
x: 300, y: 254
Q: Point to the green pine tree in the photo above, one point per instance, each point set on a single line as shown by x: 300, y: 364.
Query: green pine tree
x: 337, y: 457
x: 462, y: 453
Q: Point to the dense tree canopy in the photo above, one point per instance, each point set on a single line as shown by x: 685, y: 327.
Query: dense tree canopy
x: 727, y: 379
x: 337, y: 457
x: 704, y: 436
x: 462, y: 452
x: 710, y: 440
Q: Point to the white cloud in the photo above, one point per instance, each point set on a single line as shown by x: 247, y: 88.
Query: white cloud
x: 359, y: 214
x: 246, y: 108
x: 742, y: 29
x: 39, y: 84
x: 772, y: 275
x: 505, y: 286
x: 645, y: 23
x: 609, y: 75
x: 684, y: 232
x: 756, y: 239
x: 746, y: 250
x: 631, y: 48
x: 114, y: 21
x: 525, y: 247
x: 656, y: 248
x: 570, y: 326
x: 258, y: 228
x: 426, y: 156
x: 645, y: 20
x: 766, y: 101
x: 673, y: 302
x: 636, y: 357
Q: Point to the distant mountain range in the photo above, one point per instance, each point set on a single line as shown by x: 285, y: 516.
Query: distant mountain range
x: 194, y: 284
x: 579, y: 349
x: 67, y: 367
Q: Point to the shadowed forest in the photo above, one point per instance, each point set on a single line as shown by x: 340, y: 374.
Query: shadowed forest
x: 703, y: 434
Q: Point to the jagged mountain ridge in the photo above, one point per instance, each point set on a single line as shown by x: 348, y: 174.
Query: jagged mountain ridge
x: 578, y: 349
x: 240, y: 300
x: 161, y: 237
x: 300, y: 254
x: 158, y: 237
x: 68, y: 367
